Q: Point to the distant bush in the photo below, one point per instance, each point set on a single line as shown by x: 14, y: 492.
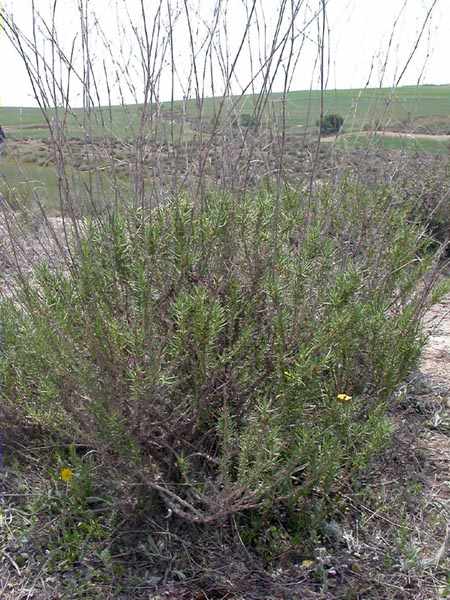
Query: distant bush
x: 236, y: 358
x: 247, y: 120
x: 331, y: 123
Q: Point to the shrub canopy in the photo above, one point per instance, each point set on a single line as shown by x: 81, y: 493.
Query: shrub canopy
x: 236, y: 356
x: 331, y: 123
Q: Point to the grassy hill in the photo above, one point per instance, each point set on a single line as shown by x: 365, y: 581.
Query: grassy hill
x: 425, y: 107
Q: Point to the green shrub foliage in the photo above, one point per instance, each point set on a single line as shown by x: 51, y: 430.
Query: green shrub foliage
x: 206, y: 349
x: 247, y: 120
x: 331, y: 123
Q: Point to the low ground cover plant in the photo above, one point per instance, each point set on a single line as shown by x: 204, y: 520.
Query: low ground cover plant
x: 236, y: 357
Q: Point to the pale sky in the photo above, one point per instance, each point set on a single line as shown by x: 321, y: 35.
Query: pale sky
x: 357, y: 45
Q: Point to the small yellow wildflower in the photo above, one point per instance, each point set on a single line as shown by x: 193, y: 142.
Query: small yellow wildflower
x: 66, y: 474
x: 343, y: 398
x: 307, y: 564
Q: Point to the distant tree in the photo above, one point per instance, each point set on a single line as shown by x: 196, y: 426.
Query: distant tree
x: 331, y: 123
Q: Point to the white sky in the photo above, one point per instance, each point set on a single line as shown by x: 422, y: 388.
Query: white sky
x: 359, y: 37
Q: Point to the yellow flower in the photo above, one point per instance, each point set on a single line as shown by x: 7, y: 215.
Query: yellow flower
x: 307, y: 564
x: 66, y: 474
x: 343, y: 398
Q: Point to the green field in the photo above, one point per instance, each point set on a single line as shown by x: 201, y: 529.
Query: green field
x: 364, y: 107
x: 428, y: 105
x: 120, y: 121
x: 20, y: 182
x: 25, y: 184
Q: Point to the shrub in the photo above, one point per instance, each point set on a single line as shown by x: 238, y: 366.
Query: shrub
x: 247, y: 120
x: 331, y: 123
x: 236, y: 357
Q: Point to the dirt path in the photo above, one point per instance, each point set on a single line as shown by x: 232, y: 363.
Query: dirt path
x: 413, y: 136
x: 390, y: 134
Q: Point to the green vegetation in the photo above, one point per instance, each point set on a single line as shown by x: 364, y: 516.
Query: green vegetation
x: 237, y: 359
x: 247, y: 120
x: 20, y: 183
x: 211, y: 316
x: 359, y: 107
x: 26, y: 184
x: 331, y: 123
x: 193, y: 371
x: 219, y: 368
